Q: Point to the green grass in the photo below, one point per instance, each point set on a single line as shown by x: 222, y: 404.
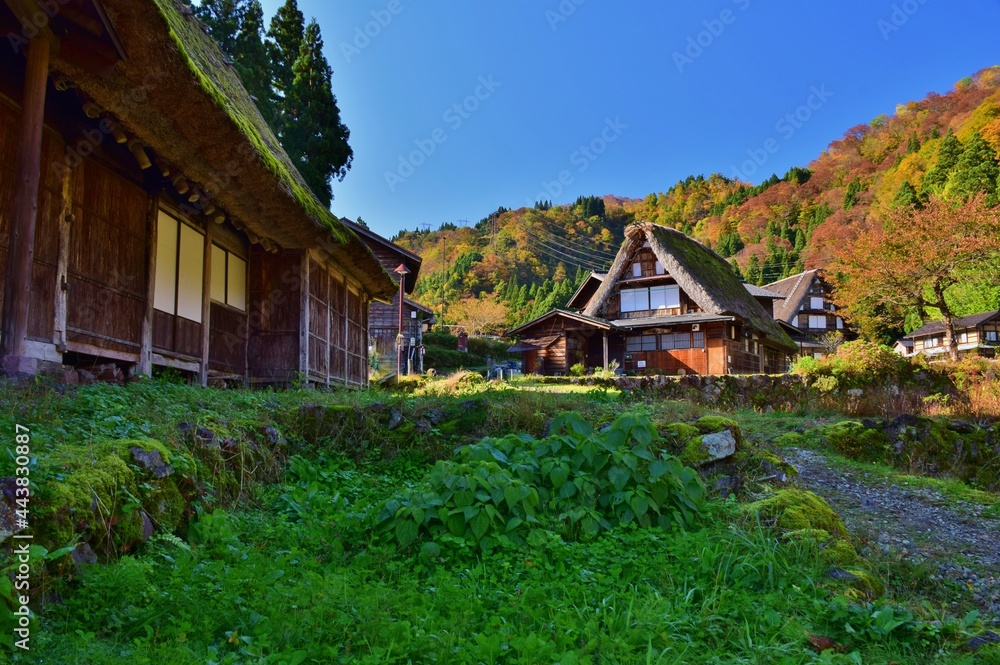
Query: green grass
x: 300, y: 581
x: 293, y: 571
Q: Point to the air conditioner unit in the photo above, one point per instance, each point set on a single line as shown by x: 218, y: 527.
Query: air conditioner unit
x: 695, y: 327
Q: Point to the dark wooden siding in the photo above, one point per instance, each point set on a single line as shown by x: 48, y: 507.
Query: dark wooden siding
x: 107, y: 261
x: 227, y: 345
x: 274, y: 290
x: 41, y: 309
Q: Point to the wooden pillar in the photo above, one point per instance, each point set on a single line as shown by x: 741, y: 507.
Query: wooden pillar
x: 304, y: 317
x: 605, y: 349
x: 206, y: 306
x: 365, y: 311
x: 330, y: 284
x: 145, y: 365
x: 27, y: 174
x: 347, y: 345
x: 66, y: 219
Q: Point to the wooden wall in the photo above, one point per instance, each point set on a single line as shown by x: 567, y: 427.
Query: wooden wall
x: 274, y: 297
x: 107, y: 261
x: 41, y: 310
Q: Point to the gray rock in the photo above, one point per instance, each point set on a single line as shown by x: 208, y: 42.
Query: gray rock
x: 395, y: 418
x: 82, y: 555
x: 979, y: 641
x: 718, y: 445
x: 152, y: 462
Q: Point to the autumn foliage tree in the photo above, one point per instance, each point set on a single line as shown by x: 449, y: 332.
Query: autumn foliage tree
x: 913, y: 263
x: 480, y: 316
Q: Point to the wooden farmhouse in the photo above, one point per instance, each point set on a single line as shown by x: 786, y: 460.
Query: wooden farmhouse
x: 384, y: 317
x: 668, y: 305
x: 150, y: 218
x: 806, y: 306
x: 977, y: 334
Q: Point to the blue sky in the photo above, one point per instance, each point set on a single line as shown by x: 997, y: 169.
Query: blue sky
x: 457, y: 107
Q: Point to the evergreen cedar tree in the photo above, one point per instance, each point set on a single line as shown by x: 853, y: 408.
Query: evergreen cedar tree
x: 290, y: 78
x: 912, y: 263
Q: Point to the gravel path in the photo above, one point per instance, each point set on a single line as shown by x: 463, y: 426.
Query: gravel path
x: 918, y: 523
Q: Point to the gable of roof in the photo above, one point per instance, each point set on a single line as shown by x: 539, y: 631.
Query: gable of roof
x: 178, y: 94
x: 963, y: 322
x: 389, y: 254
x: 758, y: 292
x: 794, y: 290
x: 704, y: 276
x: 594, y: 321
x: 586, y: 291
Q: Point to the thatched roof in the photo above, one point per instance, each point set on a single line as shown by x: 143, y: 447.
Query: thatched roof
x: 703, y: 275
x: 178, y: 94
x: 794, y: 289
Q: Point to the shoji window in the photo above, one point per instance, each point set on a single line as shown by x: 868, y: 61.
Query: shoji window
x: 229, y: 278
x: 180, y: 264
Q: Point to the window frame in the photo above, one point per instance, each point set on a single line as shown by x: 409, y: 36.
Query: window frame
x: 226, y: 272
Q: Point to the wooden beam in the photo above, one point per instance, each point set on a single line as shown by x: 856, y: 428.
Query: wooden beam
x: 145, y: 365
x: 163, y: 166
x: 206, y: 307
x: 180, y: 184
x: 92, y: 110
x: 24, y: 211
x: 304, y: 315
x: 62, y: 261
x: 120, y: 135
x: 139, y: 152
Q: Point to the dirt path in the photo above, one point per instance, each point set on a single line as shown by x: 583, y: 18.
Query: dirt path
x: 917, y: 523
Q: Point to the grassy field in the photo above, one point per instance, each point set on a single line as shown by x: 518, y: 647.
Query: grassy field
x: 302, y: 557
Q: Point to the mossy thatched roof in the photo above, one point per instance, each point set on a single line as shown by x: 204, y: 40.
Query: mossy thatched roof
x: 703, y: 275
x: 179, y: 95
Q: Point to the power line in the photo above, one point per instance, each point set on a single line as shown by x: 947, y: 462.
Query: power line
x: 572, y: 251
x: 589, y: 251
x: 572, y: 260
x: 583, y: 261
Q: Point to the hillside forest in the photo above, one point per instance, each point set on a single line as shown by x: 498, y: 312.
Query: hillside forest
x: 514, y: 265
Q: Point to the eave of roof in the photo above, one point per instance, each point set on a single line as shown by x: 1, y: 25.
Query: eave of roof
x: 583, y: 318
x: 179, y: 96
x: 961, y: 323
x: 667, y: 321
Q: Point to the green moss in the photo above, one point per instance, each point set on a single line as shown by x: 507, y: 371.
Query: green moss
x: 856, y: 441
x: 863, y: 585
x: 165, y: 505
x: 794, y: 509
x: 679, y: 433
x: 693, y: 452
x: 790, y: 440
x: 816, y: 535
x: 839, y: 552
x: 710, y: 424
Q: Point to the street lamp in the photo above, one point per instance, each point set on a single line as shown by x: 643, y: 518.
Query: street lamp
x: 402, y: 272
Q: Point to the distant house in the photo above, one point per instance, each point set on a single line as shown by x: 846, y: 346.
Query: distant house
x: 807, y: 307
x: 384, y: 317
x: 978, y: 334
x: 903, y: 347
x: 149, y: 217
x: 668, y: 305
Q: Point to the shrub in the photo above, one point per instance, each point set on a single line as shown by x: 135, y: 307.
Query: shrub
x: 857, y: 364
x: 579, y: 369
x: 574, y: 483
x: 856, y: 441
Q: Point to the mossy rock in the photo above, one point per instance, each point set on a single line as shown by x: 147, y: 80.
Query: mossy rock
x: 773, y: 465
x: 832, y: 550
x: 710, y: 424
x: 863, y: 585
x: 790, y: 440
x: 108, y: 498
x: 793, y: 509
x: 679, y: 432
x: 856, y: 441
x: 693, y: 453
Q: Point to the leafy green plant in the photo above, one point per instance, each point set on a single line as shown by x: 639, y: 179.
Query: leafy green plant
x: 574, y: 483
x: 578, y: 369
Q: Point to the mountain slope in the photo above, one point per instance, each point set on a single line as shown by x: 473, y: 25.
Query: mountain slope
x: 947, y: 145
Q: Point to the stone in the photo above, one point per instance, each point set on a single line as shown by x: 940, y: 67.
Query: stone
x: 726, y: 485
x: 8, y: 525
x: 152, y: 461
x: 85, y: 378
x: 82, y: 555
x: 424, y: 426
x: 395, y: 419
x: 20, y: 366
x: 147, y: 527
x: 270, y: 434
x: 205, y: 437
x: 979, y: 641
x: 718, y: 445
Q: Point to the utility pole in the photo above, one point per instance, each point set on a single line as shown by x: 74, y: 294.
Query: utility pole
x: 402, y: 271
